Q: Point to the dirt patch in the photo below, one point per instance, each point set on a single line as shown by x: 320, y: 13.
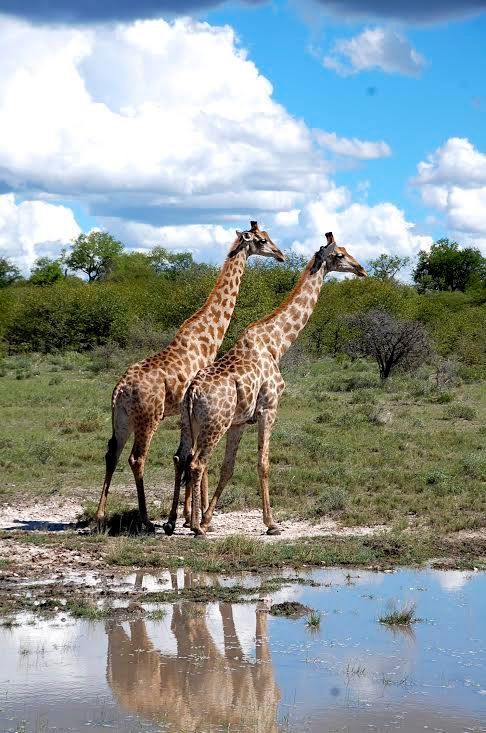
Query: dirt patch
x: 468, y: 534
x: 47, y: 515
x: 56, y: 515
x: 250, y: 523
x: 34, y: 561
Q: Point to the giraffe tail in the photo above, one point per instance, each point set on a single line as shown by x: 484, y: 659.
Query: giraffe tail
x: 187, y: 437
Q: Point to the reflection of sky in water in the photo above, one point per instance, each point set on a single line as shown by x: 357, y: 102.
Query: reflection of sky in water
x: 354, y: 672
x: 441, y: 665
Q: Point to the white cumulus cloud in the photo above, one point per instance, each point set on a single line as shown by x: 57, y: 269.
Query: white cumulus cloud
x: 452, y: 180
x: 366, y: 230
x: 353, y: 147
x: 375, y: 48
x: 209, y: 242
x: 171, y: 114
x: 168, y: 134
x: 33, y: 228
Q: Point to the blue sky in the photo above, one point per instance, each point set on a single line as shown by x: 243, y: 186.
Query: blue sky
x: 413, y: 115
x: 167, y: 131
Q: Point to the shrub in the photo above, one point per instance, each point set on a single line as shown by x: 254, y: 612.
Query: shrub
x: 330, y: 499
x: 392, y: 342
x: 67, y: 317
x: 460, y: 411
x: 475, y: 466
x: 444, y: 397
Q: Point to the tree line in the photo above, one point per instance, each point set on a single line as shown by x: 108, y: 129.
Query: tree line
x: 96, y: 293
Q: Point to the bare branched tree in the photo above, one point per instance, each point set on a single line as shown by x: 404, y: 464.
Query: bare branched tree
x: 393, y: 343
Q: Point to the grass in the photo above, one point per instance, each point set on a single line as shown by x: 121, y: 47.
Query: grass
x: 289, y: 609
x: 400, y: 616
x: 313, y: 621
x: 235, y: 554
x: 85, y: 610
x: 328, y: 455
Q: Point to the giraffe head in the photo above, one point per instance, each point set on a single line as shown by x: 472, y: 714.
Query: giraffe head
x: 337, y: 259
x: 256, y: 242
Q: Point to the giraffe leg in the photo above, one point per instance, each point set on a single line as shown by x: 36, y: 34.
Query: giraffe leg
x: 181, y: 459
x: 265, y: 424
x: 141, y: 445
x: 187, y: 504
x: 188, y: 495
x: 115, y: 447
x: 205, y: 497
x: 232, y: 443
x: 198, y: 467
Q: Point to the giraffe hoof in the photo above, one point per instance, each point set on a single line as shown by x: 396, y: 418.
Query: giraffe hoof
x: 100, y: 524
x: 149, y: 527
x: 187, y: 524
x: 199, y: 534
x: 169, y: 528
x: 273, y: 531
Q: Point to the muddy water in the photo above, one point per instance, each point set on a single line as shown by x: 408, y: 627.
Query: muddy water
x: 223, y: 667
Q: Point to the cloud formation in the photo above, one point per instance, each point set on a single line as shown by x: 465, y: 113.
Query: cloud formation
x: 33, y: 228
x: 408, y: 11
x: 375, y: 48
x: 452, y: 180
x: 353, y: 147
x: 93, y: 11
x: 168, y: 134
x: 367, y: 230
x: 151, y: 114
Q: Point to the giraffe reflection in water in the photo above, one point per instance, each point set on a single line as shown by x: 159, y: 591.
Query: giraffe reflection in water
x: 203, y: 685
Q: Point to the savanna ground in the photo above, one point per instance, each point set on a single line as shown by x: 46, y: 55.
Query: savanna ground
x: 361, y: 474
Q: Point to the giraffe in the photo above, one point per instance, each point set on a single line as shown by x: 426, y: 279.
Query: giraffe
x: 244, y: 386
x: 153, y: 388
x: 201, y: 685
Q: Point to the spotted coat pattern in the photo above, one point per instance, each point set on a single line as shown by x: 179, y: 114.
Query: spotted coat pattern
x: 154, y: 387
x: 244, y: 386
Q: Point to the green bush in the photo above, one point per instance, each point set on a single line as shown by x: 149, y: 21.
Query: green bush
x: 330, y: 499
x: 460, y: 411
x: 142, y: 313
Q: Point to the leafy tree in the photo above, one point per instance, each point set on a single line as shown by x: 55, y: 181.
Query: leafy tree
x: 46, y: 271
x: 172, y: 263
x: 387, y: 267
x: 446, y: 267
x: 94, y: 254
x: 9, y: 272
x: 131, y: 266
x: 392, y: 342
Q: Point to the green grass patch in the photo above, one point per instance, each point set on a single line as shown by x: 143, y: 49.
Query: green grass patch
x: 85, y: 610
x: 290, y: 609
x: 400, y: 616
x: 327, y: 457
x: 313, y: 621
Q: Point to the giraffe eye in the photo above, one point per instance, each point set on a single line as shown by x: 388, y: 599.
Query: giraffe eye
x: 339, y: 255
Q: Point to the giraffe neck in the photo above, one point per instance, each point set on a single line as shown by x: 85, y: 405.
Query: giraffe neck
x: 281, y: 328
x: 209, y: 324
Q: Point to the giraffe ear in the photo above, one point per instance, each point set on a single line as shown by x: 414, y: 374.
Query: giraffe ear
x: 319, y: 259
x: 240, y: 244
x: 238, y: 233
x: 331, y: 243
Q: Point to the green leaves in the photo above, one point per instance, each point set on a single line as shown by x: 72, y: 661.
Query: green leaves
x: 446, y: 267
x: 94, y: 254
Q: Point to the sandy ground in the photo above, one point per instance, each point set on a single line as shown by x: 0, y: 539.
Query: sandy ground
x: 51, y: 515
x: 250, y: 523
x: 48, y: 515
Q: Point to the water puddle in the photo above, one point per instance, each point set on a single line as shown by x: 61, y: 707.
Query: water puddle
x: 235, y: 667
